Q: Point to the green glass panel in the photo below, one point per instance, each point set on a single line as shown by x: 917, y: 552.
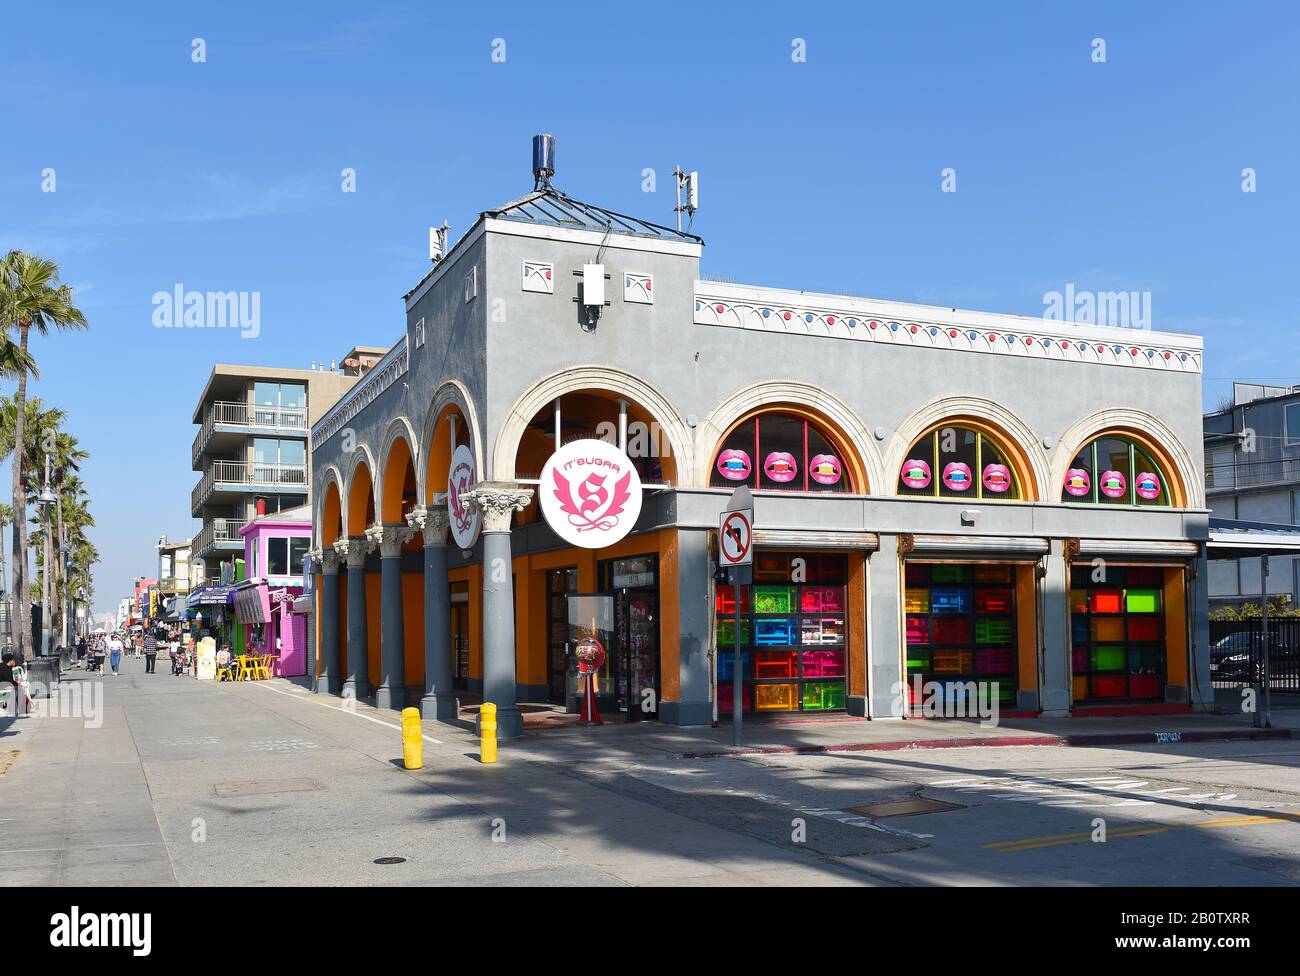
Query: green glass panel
x: 994, y: 631
x: 1143, y: 601
x: 774, y: 599
x: 1108, y: 658
x: 944, y: 573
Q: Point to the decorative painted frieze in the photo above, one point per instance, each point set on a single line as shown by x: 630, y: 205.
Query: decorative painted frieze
x: 1044, y: 340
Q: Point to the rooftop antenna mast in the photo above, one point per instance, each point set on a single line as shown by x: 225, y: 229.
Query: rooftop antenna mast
x: 690, y: 182
x: 543, y: 160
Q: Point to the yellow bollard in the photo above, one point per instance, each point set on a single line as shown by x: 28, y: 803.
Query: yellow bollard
x: 412, y: 739
x: 487, y: 727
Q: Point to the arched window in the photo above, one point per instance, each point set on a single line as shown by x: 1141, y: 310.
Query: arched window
x: 956, y: 461
x: 1115, y: 470
x: 777, y: 451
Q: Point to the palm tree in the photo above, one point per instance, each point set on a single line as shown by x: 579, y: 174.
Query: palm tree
x: 31, y: 297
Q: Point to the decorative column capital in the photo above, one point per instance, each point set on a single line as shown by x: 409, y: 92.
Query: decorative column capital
x: 354, y: 549
x: 389, y: 538
x: 431, y: 520
x: 326, y: 558
x: 498, y: 500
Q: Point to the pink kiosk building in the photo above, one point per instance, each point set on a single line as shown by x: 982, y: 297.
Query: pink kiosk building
x: 274, y: 548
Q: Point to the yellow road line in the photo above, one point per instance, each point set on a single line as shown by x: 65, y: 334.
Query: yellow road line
x: 1136, y: 830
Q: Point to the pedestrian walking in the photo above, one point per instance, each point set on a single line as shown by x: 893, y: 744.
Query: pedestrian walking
x: 100, y: 647
x: 150, y: 652
x: 115, y: 654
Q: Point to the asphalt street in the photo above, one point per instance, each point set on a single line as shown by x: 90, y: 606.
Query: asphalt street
x: 190, y: 783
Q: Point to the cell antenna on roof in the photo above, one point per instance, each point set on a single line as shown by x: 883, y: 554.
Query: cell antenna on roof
x: 543, y: 160
x: 690, y: 182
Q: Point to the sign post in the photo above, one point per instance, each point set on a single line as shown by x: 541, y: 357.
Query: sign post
x: 736, y: 552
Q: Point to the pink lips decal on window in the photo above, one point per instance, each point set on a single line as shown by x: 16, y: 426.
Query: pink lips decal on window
x: 780, y: 467
x: 1112, y: 484
x: 824, y: 469
x: 916, y: 473
x: 734, y: 465
x: 1077, y: 482
x: 1147, y: 485
x: 957, y: 475
x: 996, y: 478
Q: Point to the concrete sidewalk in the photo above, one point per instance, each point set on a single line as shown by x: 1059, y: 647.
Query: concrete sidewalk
x: 843, y: 734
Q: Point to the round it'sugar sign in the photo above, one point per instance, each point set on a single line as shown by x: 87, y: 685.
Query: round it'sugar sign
x: 590, y: 494
x: 466, y: 519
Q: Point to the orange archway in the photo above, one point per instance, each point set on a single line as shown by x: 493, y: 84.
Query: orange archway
x: 995, y: 464
x: 361, y: 500
x: 331, y: 515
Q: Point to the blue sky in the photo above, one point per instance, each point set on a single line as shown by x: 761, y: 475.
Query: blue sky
x: 823, y: 175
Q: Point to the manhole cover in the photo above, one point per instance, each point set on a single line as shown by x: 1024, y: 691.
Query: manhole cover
x: 390, y: 860
x: 904, y: 808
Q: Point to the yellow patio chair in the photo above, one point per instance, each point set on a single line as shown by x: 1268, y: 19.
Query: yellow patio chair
x: 247, y: 669
x: 260, y: 670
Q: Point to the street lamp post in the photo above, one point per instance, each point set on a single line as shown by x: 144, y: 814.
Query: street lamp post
x: 46, y: 500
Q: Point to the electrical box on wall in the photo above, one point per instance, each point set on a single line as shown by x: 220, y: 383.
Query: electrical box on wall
x: 593, y: 284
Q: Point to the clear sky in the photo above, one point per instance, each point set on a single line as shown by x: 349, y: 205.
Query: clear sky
x: 823, y: 173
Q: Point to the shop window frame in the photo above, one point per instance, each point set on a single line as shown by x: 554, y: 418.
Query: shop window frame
x: 1017, y: 492
x: 1131, y: 500
x: 1123, y: 616
x: 845, y: 486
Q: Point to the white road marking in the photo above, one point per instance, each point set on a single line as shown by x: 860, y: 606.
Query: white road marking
x: 347, y: 711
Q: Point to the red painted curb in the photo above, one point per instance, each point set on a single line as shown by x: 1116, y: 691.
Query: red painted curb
x: 1173, y: 738
x: 995, y: 740
x: 1078, y: 740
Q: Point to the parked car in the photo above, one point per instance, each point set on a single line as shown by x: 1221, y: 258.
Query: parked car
x: 1233, y: 658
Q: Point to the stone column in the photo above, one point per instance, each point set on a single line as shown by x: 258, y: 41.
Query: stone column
x: 886, y: 684
x: 439, y: 701
x: 330, y: 678
x: 1058, y: 671
x: 354, y: 550
x: 391, y: 692
x: 498, y: 502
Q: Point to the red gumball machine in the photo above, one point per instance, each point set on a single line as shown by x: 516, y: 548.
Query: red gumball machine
x: 590, y: 655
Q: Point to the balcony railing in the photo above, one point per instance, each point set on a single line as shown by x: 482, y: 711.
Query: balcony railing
x: 219, y: 532
x: 250, y: 476
x: 254, y: 416
x: 1246, y: 474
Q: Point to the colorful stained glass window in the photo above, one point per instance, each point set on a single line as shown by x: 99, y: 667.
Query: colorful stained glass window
x: 794, y: 635
x: 1117, y: 634
x: 960, y: 627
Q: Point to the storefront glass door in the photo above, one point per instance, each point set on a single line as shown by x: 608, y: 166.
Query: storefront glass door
x: 559, y: 583
x: 1117, y: 631
x: 634, y: 583
x: 961, y: 627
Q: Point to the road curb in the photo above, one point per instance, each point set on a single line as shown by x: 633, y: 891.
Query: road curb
x: 1076, y: 740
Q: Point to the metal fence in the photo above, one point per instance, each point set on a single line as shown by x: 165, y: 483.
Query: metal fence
x: 1236, y: 656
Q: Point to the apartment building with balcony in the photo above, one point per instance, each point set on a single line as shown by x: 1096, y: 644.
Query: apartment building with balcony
x: 252, y: 449
x: 1252, y: 474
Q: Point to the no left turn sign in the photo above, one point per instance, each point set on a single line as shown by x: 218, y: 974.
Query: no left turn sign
x: 736, y: 535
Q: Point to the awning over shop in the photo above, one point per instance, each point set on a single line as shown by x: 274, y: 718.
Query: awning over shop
x: 1233, y: 539
x: 975, y: 546
x: 252, y: 604
x: 799, y: 538
x: 218, y: 595
x: 1176, y: 551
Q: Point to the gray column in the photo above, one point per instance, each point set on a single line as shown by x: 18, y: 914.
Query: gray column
x: 439, y: 701
x: 1198, y: 599
x: 356, y: 683
x: 499, y: 501
x: 1057, y: 666
x: 694, y: 666
x: 391, y: 692
x: 886, y: 681
x: 329, y: 679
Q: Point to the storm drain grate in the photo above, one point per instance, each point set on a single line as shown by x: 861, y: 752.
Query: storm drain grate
x: 904, y: 808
